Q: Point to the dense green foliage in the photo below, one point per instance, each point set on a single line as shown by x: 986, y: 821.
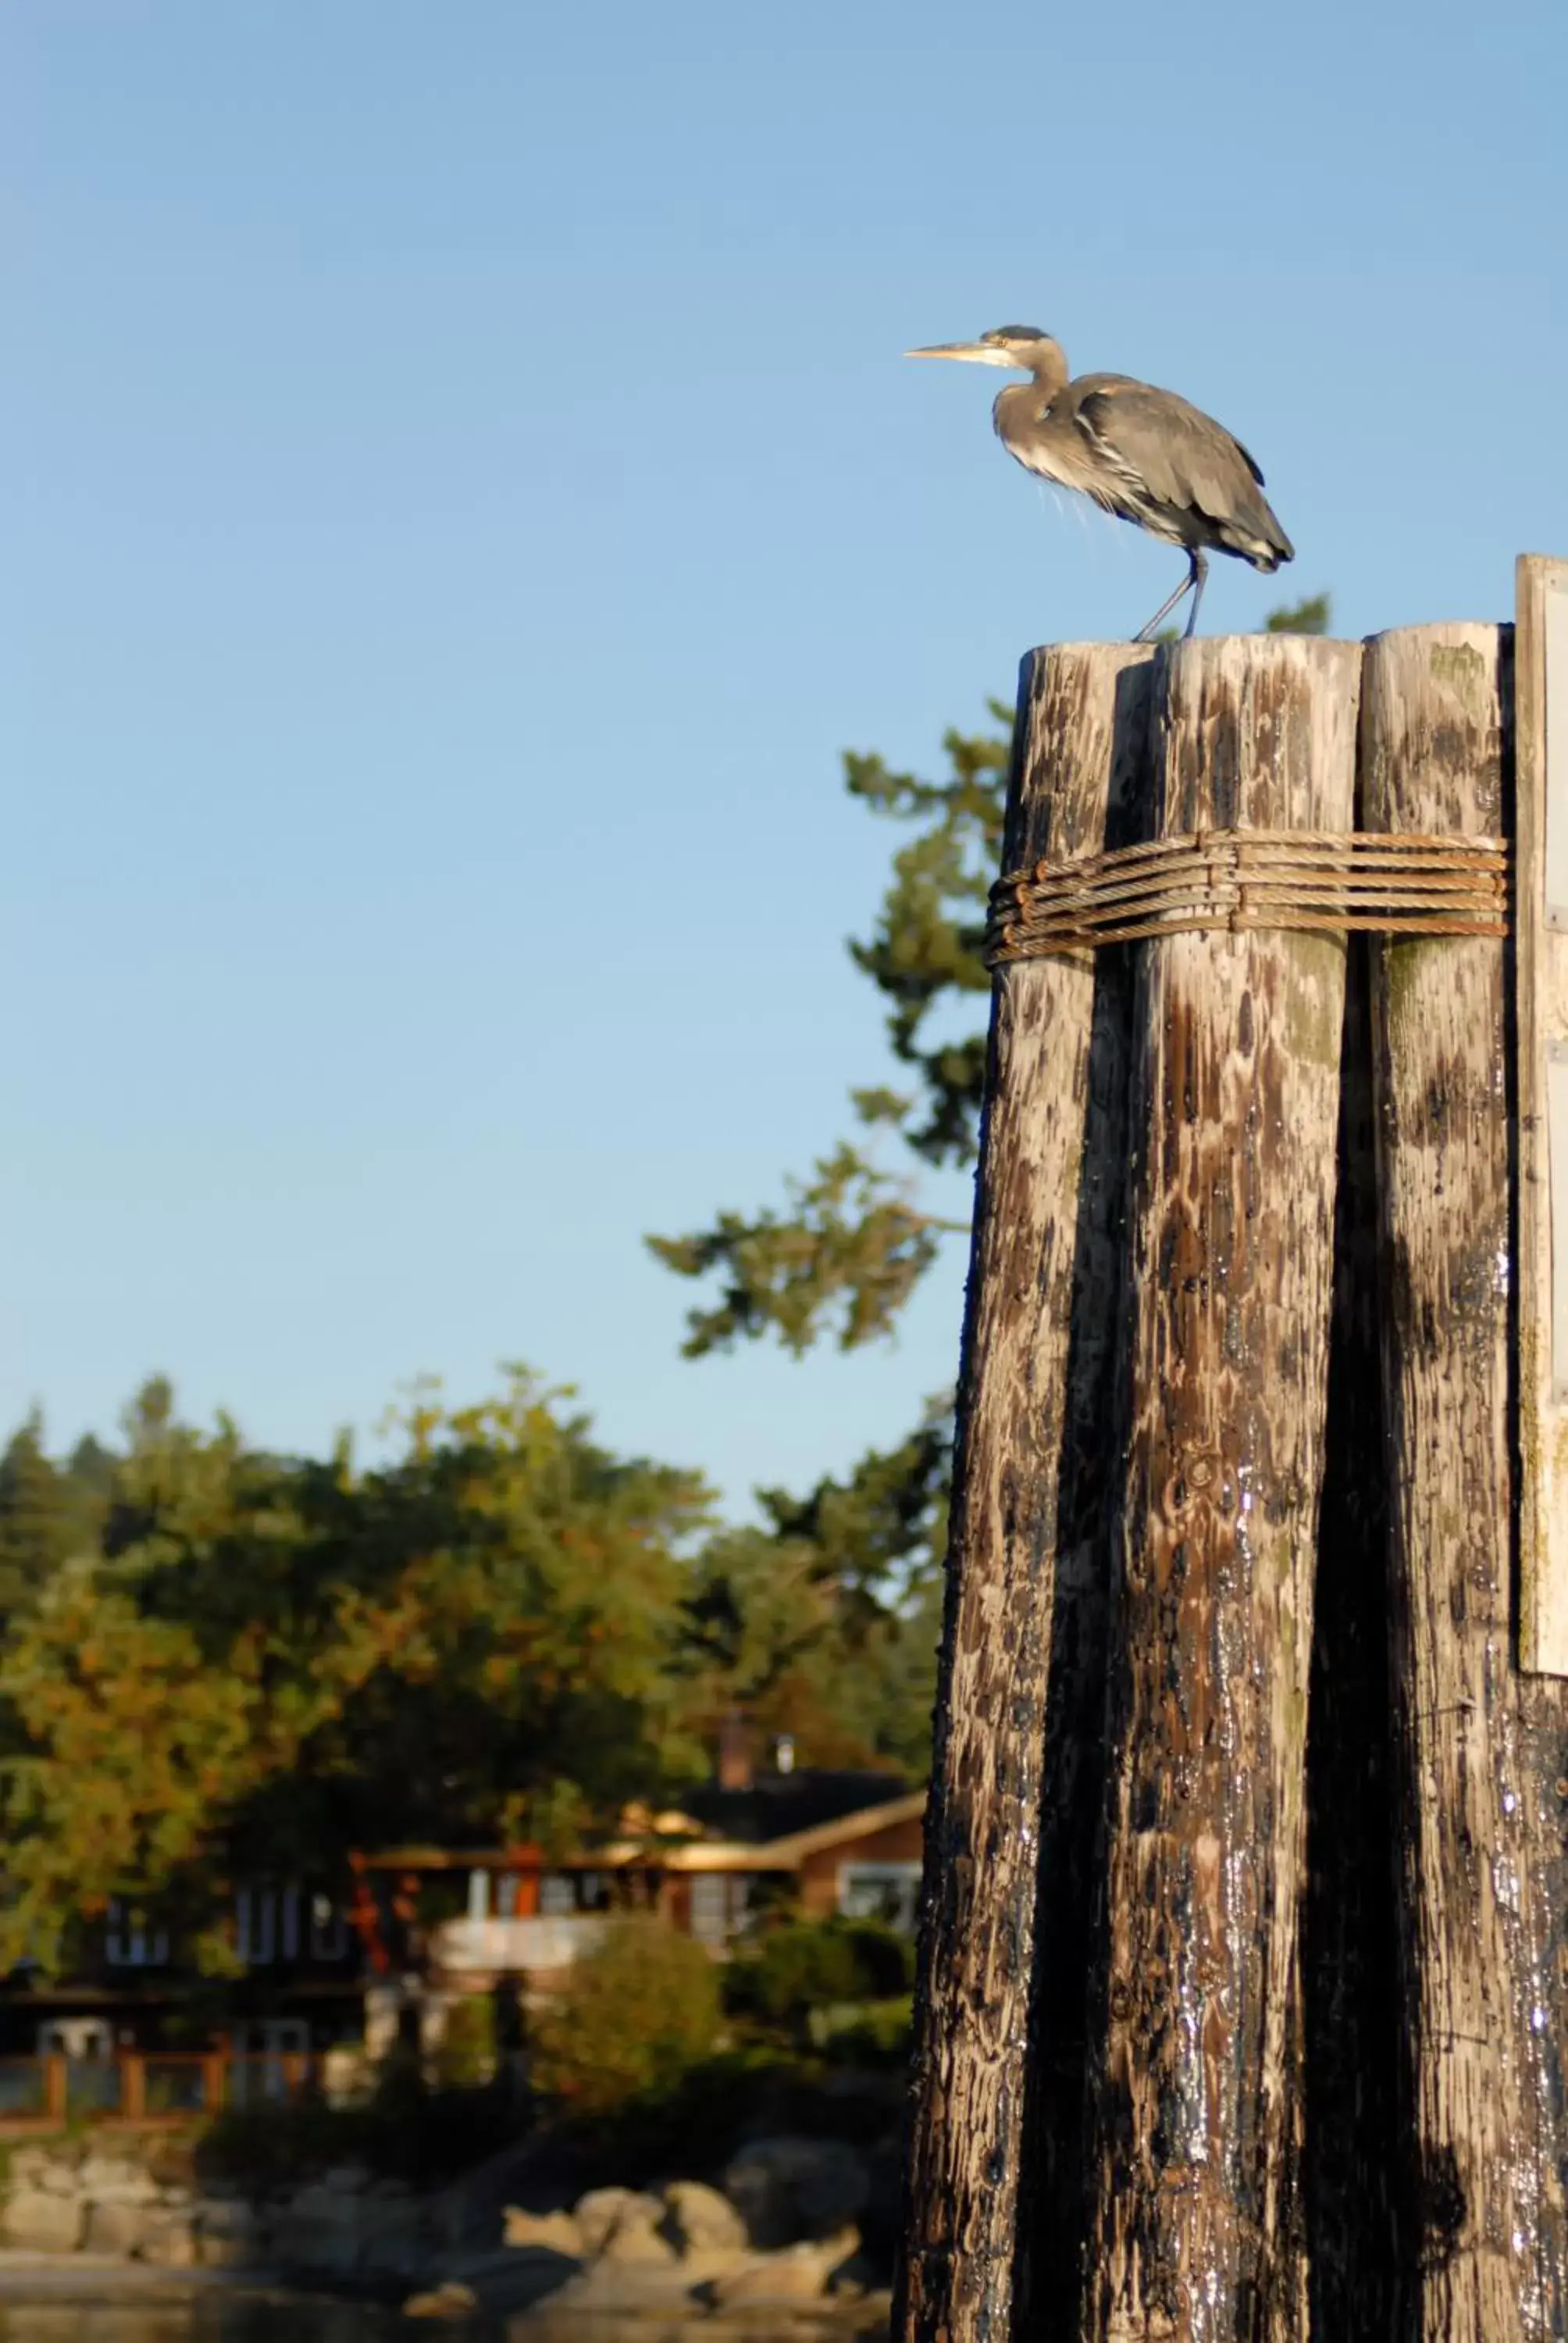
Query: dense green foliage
x: 789, y: 1975
x: 265, y: 1663
x: 221, y: 1662
x: 636, y: 2016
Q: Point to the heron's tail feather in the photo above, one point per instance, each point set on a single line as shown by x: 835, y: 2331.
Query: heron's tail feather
x: 1258, y: 537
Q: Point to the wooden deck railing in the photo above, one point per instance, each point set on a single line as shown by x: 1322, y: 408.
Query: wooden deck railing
x: 148, y: 2087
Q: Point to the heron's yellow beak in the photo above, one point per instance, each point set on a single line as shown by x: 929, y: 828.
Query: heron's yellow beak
x: 978, y: 353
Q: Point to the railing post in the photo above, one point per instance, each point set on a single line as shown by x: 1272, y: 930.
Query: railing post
x: 132, y: 2087
x: 213, y: 2094
x: 56, y: 2088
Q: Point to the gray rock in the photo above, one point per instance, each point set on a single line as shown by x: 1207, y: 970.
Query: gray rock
x: 398, y: 2251
x: 317, y: 2202
x: 168, y: 2239
x: 604, y: 2211
x: 558, y: 2231
x: 116, y: 2180
x: 508, y: 2278
x: 319, y: 2246
x: 798, y: 2273
x: 345, y: 2181
x: 638, y: 2241
x: 229, y: 2234
x: 50, y: 2172
x: 44, y: 2221
x: 449, y: 2301
x: 628, y: 2289
x: 114, y: 2227
x: 230, y: 2253
x: 788, y: 2190
x: 226, y: 2216
x: 700, y: 2220
x: 855, y: 2280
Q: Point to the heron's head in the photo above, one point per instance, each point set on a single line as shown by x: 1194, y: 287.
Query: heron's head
x: 1024, y: 347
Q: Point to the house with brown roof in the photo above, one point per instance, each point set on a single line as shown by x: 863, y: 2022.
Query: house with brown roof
x: 821, y: 1841
x: 384, y: 1954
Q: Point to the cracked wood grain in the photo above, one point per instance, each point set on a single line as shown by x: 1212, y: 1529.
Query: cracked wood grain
x: 1480, y: 1752
x: 1028, y: 1490
x: 1193, y: 2231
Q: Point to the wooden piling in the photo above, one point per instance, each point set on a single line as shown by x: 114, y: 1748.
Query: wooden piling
x: 1236, y: 1065
x: 1027, y: 1496
x: 1479, y: 1757
x: 1343, y: 2105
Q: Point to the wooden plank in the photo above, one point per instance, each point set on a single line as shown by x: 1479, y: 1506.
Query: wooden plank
x: 1234, y: 1117
x: 1541, y: 921
x: 1481, y: 1821
x: 1024, y: 1590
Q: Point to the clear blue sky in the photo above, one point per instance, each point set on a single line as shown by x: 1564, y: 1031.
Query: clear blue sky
x: 462, y: 494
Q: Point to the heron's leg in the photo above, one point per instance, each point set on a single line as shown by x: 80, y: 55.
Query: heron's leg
x: 1193, y: 577
x: 1198, y: 581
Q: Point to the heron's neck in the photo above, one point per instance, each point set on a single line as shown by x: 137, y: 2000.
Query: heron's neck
x: 1049, y: 374
x: 1021, y: 409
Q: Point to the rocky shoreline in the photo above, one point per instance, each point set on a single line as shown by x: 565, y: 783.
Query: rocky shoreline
x: 779, y: 2242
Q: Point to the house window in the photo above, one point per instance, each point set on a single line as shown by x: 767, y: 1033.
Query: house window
x: 880, y: 1891
x: 89, y: 2038
x: 256, y: 1926
x: 130, y: 1944
x: 719, y: 1901
x: 328, y: 1935
x: 710, y: 1907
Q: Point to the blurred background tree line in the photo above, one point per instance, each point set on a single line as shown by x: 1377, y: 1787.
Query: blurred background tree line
x: 218, y: 1659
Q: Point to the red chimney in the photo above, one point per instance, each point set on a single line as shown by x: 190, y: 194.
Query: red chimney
x: 734, y: 1753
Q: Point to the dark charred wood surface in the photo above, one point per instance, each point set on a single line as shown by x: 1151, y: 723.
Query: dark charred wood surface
x: 1355, y: 2202
x: 1022, y: 1588
x: 1195, y: 2126
x: 1482, y: 1756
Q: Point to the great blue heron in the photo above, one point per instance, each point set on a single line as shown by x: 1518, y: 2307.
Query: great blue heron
x: 1143, y: 454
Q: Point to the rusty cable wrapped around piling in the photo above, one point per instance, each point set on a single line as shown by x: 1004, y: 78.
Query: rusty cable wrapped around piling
x: 1300, y: 881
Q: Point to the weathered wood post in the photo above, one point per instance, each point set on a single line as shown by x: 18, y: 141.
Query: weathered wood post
x: 1235, y: 1116
x: 1483, y: 1749
x: 1039, y: 1327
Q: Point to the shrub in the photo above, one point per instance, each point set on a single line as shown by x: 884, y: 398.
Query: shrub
x: 816, y: 1964
x: 465, y: 2056
x: 636, y: 2016
x: 871, y: 2034
x: 884, y: 1960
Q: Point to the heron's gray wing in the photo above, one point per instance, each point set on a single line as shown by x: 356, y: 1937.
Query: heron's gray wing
x: 1171, y: 452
